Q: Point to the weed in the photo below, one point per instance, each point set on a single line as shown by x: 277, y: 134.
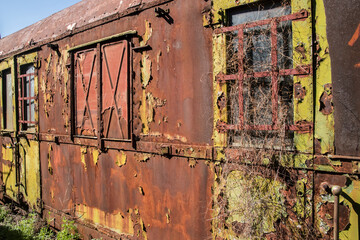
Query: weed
x: 3, y: 213
x: 26, y: 226
x: 45, y: 234
x: 68, y: 231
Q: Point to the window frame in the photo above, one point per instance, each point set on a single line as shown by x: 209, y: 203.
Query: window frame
x: 274, y: 73
x: 21, y: 60
x: 4, y: 91
x: 25, y: 123
x: 97, y: 45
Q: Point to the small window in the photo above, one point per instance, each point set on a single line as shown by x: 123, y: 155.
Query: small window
x: 7, y: 98
x: 112, y: 102
x: 259, y: 74
x: 26, y: 97
x: 86, y: 95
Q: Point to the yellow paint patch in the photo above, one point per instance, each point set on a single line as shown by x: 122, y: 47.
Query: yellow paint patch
x: 95, y: 154
x: 143, y: 157
x: 219, y: 7
x: 148, y: 33
x: 83, y: 155
x: 143, y: 114
x: 50, y: 169
x: 8, y: 172
x: 117, y: 221
x: 141, y: 190
x: 121, y: 159
x: 176, y: 137
x: 146, y: 66
x: 168, y: 220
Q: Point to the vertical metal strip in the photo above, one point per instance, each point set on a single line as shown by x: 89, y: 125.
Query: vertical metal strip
x: 72, y: 94
x: 274, y: 74
x: 99, y: 96
x: 30, y: 98
x: 241, y: 76
x: 131, y: 95
x: 22, y: 117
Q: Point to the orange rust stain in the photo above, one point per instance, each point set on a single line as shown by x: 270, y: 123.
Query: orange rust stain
x: 352, y: 41
x: 355, y: 37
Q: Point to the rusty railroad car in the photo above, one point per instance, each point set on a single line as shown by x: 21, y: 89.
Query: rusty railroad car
x: 186, y: 119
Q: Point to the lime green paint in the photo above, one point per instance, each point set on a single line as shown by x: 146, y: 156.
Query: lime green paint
x: 8, y: 172
x: 353, y: 191
x: 324, y: 123
x: 303, y: 108
x: 30, y: 171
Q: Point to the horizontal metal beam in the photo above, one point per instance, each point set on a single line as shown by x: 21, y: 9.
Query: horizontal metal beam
x: 119, y: 35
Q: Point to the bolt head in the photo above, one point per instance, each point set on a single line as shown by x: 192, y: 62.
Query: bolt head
x: 336, y: 190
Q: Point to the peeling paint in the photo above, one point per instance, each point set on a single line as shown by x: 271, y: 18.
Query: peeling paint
x: 117, y: 221
x: 192, y: 162
x: 324, y: 122
x: 142, y: 157
x: 146, y: 67
x: 83, y: 156
x: 50, y: 168
x: 121, y: 159
x: 95, y: 154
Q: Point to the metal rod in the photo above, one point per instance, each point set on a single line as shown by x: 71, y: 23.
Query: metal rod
x: 336, y: 191
x: 344, y: 157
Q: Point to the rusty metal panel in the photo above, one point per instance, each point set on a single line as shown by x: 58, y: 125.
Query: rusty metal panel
x: 115, y: 90
x: 86, y: 94
x: 127, y: 192
x: 348, y: 208
x: 342, y: 21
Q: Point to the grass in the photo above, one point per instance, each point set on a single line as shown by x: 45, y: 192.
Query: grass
x: 30, y: 227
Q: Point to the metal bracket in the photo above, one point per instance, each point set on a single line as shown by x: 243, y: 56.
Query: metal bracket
x: 141, y: 48
x: 159, y: 12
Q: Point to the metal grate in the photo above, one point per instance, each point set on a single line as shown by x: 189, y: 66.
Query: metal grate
x: 272, y: 72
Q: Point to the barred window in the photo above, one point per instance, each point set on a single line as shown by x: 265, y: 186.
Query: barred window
x: 26, y: 97
x: 259, y: 74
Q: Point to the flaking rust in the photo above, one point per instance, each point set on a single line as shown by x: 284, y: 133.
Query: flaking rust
x: 326, y: 100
